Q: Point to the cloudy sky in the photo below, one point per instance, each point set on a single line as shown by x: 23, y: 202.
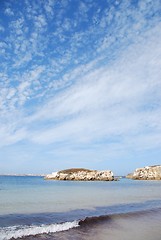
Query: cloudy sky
x: 80, y: 85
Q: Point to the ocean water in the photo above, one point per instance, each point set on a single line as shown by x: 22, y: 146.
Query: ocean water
x: 34, y: 208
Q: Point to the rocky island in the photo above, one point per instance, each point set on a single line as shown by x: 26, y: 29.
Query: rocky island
x: 146, y: 173
x: 81, y: 174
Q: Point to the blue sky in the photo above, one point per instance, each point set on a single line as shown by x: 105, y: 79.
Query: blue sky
x: 79, y: 85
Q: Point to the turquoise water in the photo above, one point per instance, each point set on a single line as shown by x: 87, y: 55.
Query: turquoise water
x: 30, y: 206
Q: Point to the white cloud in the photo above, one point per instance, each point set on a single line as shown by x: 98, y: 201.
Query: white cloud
x: 11, y: 93
x: 49, y: 7
x: 24, y: 59
x: 97, y: 95
x: 40, y: 21
x: 109, y: 102
x: 9, y: 137
x: 8, y: 11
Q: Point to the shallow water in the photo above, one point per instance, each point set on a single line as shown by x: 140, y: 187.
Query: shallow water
x: 33, y: 208
x: 35, y: 195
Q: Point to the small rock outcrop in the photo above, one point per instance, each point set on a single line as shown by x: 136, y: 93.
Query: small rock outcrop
x: 146, y: 173
x: 81, y: 174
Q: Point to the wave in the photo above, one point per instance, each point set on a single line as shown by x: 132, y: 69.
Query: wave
x: 88, y: 221
x: 24, y: 231
x: 20, y: 231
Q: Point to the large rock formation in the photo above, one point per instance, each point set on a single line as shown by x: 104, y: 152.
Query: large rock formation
x: 146, y: 173
x: 81, y: 174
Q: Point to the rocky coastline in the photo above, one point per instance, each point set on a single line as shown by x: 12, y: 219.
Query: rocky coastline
x: 81, y: 174
x: 146, y: 173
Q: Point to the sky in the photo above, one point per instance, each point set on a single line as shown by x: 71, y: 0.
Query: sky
x: 80, y: 85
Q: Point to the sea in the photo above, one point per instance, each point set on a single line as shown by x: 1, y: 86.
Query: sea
x: 34, y: 208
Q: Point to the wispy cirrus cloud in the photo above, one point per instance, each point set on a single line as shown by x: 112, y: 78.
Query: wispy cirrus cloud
x: 83, y: 75
x: 108, y: 102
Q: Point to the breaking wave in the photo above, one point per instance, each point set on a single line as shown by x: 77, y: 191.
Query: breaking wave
x: 24, y: 231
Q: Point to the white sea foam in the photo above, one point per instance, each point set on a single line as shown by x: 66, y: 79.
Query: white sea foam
x: 22, y: 231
